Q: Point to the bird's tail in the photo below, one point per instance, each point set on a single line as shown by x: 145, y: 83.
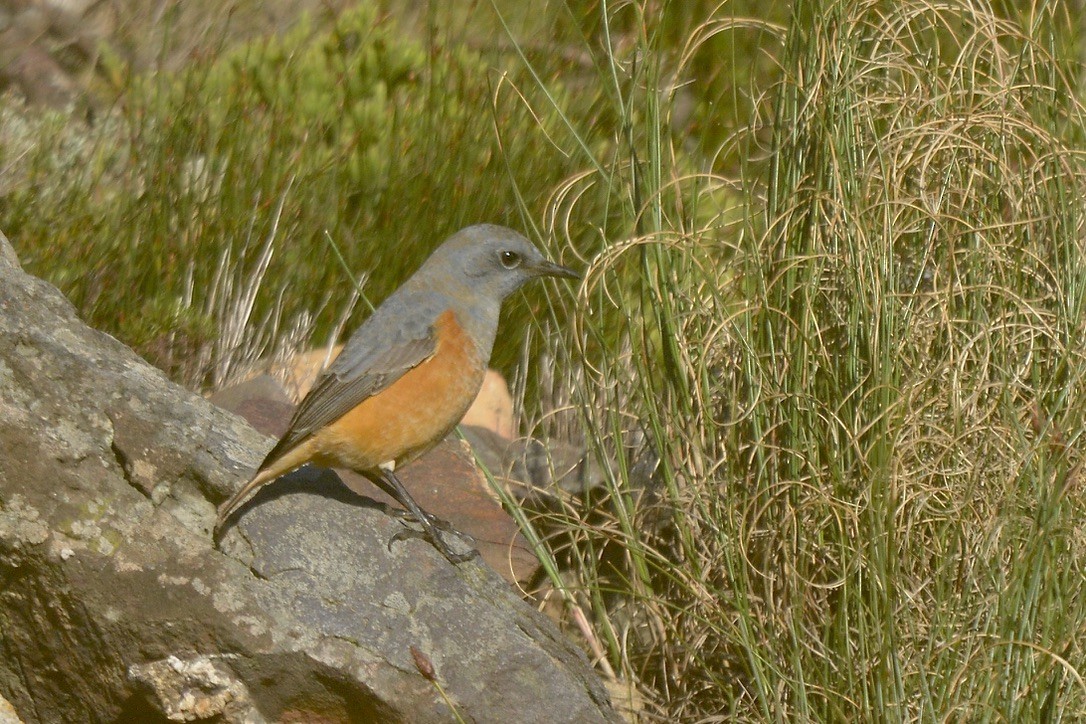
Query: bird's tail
x: 231, y: 506
x: 277, y: 463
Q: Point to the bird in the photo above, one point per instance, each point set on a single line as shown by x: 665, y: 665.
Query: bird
x: 408, y: 374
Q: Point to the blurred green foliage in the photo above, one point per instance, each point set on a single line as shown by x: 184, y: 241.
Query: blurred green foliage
x: 375, y: 143
x: 382, y: 130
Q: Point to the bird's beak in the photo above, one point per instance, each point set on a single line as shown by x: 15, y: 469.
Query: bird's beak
x: 547, y: 268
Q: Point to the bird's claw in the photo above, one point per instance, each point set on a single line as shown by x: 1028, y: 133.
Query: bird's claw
x: 431, y: 531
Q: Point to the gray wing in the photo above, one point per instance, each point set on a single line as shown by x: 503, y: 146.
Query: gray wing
x: 375, y: 356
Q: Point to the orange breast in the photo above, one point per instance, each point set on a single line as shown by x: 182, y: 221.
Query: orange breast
x: 411, y: 415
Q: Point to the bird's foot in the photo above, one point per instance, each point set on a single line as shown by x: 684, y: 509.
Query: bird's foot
x: 432, y: 528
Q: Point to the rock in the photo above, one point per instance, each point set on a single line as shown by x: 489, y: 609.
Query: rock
x: 299, y: 374
x: 199, y: 688
x: 50, y: 50
x: 528, y: 468
x: 37, y: 39
x: 115, y: 606
x: 8, y: 258
x: 39, y: 78
x: 261, y: 401
x: 493, y: 407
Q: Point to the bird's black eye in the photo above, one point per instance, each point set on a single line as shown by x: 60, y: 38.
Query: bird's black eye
x: 510, y: 259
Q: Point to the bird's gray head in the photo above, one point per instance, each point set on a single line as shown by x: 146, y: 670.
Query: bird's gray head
x: 491, y: 261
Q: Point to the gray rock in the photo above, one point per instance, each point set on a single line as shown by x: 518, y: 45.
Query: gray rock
x: 115, y: 605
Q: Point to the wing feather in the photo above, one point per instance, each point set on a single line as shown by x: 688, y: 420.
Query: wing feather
x: 375, y: 357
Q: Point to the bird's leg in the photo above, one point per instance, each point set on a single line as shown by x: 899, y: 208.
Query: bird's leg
x: 388, y: 482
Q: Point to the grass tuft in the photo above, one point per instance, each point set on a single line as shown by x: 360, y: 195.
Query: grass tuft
x: 850, y: 338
